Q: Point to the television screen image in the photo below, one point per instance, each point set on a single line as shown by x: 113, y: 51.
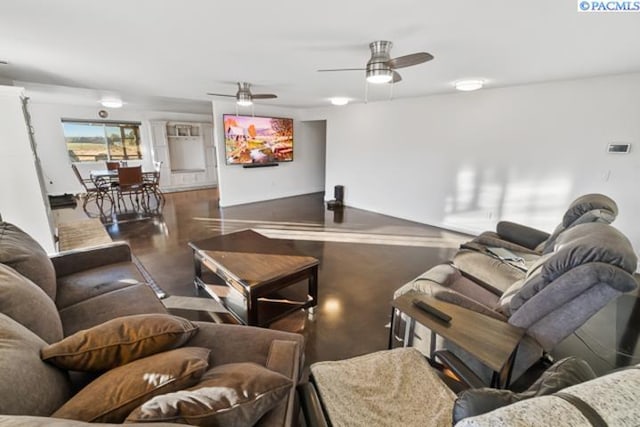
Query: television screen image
x: 252, y: 139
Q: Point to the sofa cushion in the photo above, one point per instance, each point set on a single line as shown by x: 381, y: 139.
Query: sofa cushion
x: 119, y: 341
x: 20, y: 252
x: 613, y: 397
x: 593, y: 205
x: 86, y: 284
x: 585, y: 209
x: 28, y: 386
x: 232, y: 394
x: 388, y: 388
x: 593, y: 242
x: 28, y: 305
x: 135, y: 299
x: 562, y: 374
x: 113, y: 395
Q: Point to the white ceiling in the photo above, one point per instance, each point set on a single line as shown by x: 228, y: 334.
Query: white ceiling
x: 183, y: 49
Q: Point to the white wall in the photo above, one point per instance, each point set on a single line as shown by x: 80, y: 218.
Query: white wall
x: 238, y: 185
x: 465, y: 161
x: 46, y: 120
x: 22, y: 201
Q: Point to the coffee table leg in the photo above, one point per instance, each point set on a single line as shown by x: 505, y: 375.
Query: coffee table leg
x: 409, y: 332
x: 392, y: 328
x: 197, y: 265
x: 252, y: 310
x: 313, y: 288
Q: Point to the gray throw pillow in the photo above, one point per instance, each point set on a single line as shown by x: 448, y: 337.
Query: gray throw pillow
x: 28, y: 305
x: 562, y: 374
x: 21, y: 252
x: 28, y: 385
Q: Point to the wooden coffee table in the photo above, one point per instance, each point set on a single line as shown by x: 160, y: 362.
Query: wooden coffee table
x: 251, y: 274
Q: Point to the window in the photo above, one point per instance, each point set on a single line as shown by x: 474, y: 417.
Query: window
x: 95, y: 141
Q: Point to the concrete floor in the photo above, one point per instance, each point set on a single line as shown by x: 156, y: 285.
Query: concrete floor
x: 363, y: 257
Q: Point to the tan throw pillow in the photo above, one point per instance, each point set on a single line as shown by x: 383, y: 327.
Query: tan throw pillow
x: 236, y: 394
x: 113, y: 395
x: 119, y: 341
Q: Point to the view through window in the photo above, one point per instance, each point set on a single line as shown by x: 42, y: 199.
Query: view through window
x: 96, y: 141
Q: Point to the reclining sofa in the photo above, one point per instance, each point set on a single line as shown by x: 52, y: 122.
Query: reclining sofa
x: 525, y: 244
x: 46, y: 301
x: 589, y: 265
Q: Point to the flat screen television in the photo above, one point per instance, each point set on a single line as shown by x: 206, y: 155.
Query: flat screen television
x: 257, y: 140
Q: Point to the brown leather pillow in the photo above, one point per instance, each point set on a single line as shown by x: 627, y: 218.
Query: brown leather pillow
x: 119, y: 341
x: 113, y: 395
x: 232, y: 394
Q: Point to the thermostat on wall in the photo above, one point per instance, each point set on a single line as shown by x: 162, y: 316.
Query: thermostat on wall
x: 618, y: 148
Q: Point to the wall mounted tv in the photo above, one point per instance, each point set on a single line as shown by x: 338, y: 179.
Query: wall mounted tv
x: 257, y: 140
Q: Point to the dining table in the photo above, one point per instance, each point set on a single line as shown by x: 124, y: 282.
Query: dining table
x: 108, y: 180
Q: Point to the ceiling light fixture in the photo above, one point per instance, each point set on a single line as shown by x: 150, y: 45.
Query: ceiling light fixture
x: 468, y: 85
x: 244, y: 97
x: 339, y: 100
x: 111, y: 103
x: 379, y: 76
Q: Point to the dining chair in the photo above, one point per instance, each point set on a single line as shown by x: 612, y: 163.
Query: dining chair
x: 152, y: 184
x: 113, y: 166
x: 131, y: 183
x: 94, y: 190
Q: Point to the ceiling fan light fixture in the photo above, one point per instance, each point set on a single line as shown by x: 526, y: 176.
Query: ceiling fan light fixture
x: 468, y: 85
x: 339, y: 100
x: 244, y: 97
x: 379, y: 76
x: 111, y: 103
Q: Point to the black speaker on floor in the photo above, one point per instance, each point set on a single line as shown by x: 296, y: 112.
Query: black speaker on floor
x: 338, y: 193
x: 338, y: 202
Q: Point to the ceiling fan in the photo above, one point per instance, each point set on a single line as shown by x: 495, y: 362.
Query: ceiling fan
x: 244, y: 97
x: 381, y: 68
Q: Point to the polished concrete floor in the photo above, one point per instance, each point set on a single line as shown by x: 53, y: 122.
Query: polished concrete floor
x: 363, y: 257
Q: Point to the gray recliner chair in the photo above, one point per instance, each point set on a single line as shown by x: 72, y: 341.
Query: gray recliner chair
x: 525, y: 244
x: 590, y: 265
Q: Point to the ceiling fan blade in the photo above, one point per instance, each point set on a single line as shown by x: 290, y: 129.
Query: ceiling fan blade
x: 409, y: 60
x: 396, y: 77
x: 263, y: 96
x: 343, y: 69
x: 221, y: 94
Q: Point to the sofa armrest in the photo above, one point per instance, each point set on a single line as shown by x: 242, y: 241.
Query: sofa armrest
x: 236, y: 343
x: 311, y: 407
x: 74, y: 261
x: 521, y: 234
x: 286, y: 359
x: 492, y: 239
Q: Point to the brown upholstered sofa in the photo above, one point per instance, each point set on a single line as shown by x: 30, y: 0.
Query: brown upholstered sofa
x: 45, y: 299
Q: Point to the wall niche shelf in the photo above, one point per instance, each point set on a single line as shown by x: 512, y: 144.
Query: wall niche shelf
x: 187, y: 154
